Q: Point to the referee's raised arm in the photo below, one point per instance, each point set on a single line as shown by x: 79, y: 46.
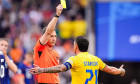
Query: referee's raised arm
x: 51, y: 26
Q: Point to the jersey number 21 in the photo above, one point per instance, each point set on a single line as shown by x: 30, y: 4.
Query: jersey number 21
x: 91, y: 73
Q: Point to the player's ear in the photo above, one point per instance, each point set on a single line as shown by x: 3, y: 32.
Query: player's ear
x: 77, y: 47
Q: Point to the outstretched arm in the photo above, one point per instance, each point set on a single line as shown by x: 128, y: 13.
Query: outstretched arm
x: 54, y: 69
x: 114, y: 70
x: 51, y: 26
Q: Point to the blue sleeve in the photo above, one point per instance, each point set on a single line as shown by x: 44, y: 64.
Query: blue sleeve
x: 68, y: 65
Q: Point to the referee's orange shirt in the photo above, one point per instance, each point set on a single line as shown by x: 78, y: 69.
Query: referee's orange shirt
x: 43, y: 57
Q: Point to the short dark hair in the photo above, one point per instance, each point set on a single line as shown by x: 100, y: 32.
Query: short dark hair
x: 82, y: 43
x: 44, y: 29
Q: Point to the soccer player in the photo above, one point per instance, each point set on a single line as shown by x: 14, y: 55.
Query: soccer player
x: 44, y: 55
x: 24, y: 77
x: 84, y: 66
x: 5, y: 62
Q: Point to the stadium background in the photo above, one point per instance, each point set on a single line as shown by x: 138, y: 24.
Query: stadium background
x: 113, y: 28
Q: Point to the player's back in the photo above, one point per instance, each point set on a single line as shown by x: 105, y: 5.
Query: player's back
x: 85, y: 68
x: 4, y: 77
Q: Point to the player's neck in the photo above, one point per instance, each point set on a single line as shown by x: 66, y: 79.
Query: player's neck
x: 77, y: 52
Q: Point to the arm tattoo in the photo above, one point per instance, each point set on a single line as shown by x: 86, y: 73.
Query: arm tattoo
x: 52, y: 70
x: 55, y: 69
x: 44, y: 70
x: 39, y: 70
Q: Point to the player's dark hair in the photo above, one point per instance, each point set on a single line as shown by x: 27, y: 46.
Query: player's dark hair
x: 44, y: 29
x: 30, y: 53
x: 5, y: 39
x: 82, y: 43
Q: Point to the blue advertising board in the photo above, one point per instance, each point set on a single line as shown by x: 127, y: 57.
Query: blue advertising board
x: 118, y: 31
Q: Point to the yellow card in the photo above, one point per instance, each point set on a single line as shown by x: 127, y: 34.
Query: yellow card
x: 63, y: 3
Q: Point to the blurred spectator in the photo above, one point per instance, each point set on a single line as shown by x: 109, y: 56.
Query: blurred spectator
x: 13, y: 31
x: 80, y: 26
x: 29, y: 37
x: 35, y: 14
x: 47, y: 10
x: 65, y: 28
x: 13, y: 15
x: 16, y: 52
x: 7, y: 4
x: 4, y: 23
x: 83, y: 3
x: 73, y: 11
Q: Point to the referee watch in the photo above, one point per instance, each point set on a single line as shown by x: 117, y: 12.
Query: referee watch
x: 56, y: 16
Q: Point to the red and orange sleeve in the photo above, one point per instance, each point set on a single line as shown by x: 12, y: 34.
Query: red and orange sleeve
x: 39, y: 46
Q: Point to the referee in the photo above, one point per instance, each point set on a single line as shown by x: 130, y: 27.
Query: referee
x: 44, y: 54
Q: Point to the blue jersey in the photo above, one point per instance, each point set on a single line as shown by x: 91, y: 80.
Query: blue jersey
x: 4, y: 77
x: 24, y: 69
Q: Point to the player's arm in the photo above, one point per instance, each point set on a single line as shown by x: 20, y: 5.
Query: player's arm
x: 51, y: 26
x: 10, y: 64
x: 114, y: 70
x: 54, y: 69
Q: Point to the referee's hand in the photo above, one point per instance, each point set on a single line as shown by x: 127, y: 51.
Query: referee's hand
x: 59, y: 9
x: 36, y: 70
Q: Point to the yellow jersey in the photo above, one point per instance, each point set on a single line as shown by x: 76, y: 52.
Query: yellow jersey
x: 85, y: 68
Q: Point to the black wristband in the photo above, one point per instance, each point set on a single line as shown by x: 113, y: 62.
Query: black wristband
x: 56, y: 16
